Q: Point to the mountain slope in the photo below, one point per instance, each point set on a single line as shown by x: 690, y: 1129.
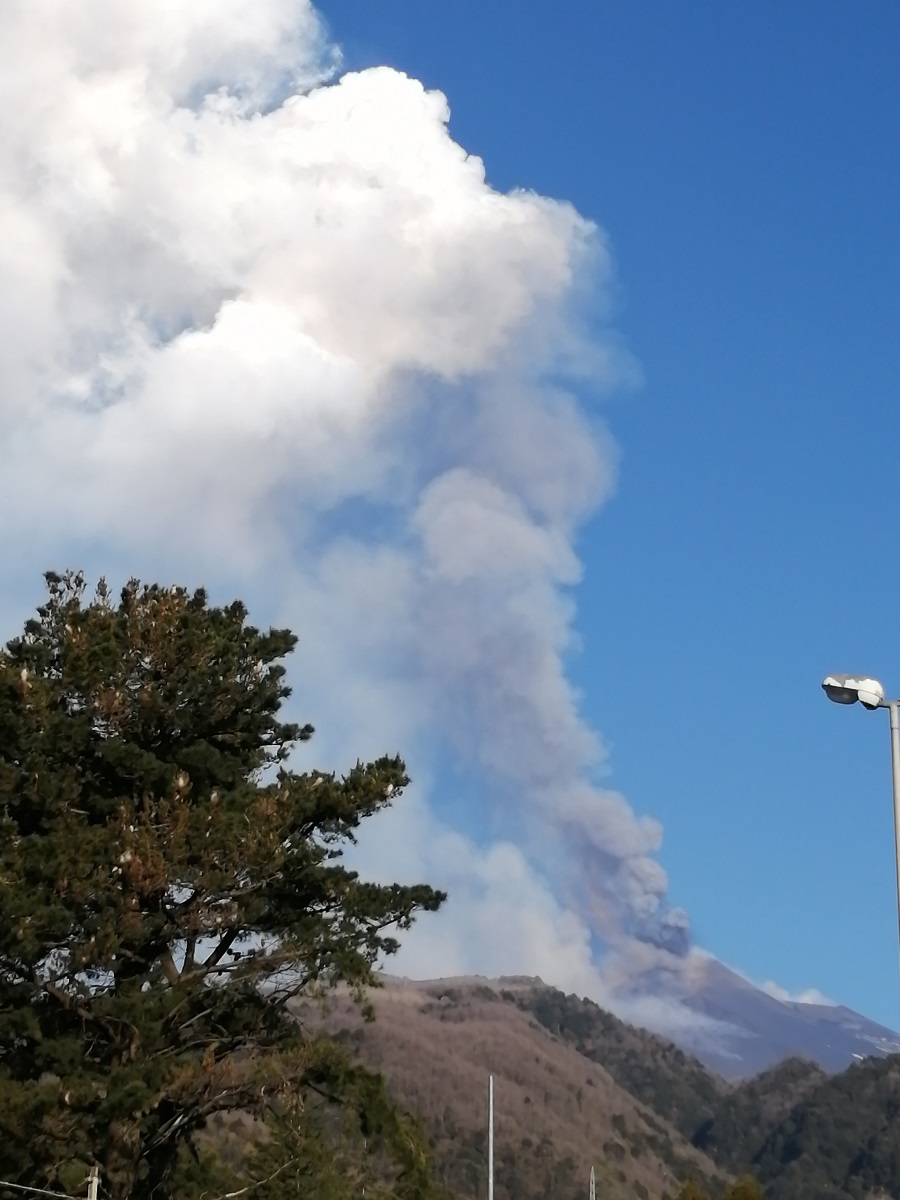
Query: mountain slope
x: 557, y: 1112
x: 749, y: 1030
x: 804, y: 1133
x: 767, y: 1030
x: 659, y: 1074
x: 577, y: 1087
x: 751, y: 1113
x: 842, y: 1140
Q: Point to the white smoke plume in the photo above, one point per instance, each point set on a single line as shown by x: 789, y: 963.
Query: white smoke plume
x: 269, y: 329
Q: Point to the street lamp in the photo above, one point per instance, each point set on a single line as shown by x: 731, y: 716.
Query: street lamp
x: 847, y: 689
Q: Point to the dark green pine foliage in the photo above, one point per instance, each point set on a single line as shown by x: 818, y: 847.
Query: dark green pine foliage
x: 362, y: 1147
x: 167, y: 884
x: 843, y: 1139
x: 748, y: 1114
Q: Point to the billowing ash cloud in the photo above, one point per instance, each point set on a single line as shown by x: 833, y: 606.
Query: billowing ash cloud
x: 278, y: 334
x: 671, y: 931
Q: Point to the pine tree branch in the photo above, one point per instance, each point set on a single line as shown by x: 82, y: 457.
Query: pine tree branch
x: 255, y: 1184
x: 190, y: 949
x: 168, y: 965
x: 215, y: 956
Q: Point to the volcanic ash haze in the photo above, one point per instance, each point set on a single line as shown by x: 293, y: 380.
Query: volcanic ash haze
x: 279, y: 335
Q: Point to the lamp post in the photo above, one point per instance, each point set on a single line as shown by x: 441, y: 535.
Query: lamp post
x: 847, y: 689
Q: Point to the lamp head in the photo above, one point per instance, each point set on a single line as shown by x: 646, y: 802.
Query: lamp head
x: 847, y: 689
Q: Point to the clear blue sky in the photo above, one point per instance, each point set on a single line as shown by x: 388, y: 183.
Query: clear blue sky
x: 744, y: 161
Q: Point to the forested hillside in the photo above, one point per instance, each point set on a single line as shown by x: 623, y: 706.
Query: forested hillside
x: 576, y: 1088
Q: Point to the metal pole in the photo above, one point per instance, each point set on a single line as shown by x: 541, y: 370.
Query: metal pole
x: 490, y: 1137
x: 93, y: 1183
x: 894, y: 706
x: 593, y: 1186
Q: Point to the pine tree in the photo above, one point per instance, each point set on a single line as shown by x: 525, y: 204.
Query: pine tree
x: 168, y: 884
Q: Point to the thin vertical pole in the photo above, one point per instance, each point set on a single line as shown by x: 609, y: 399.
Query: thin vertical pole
x: 593, y: 1186
x: 93, y: 1182
x: 894, y: 706
x: 491, y: 1137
